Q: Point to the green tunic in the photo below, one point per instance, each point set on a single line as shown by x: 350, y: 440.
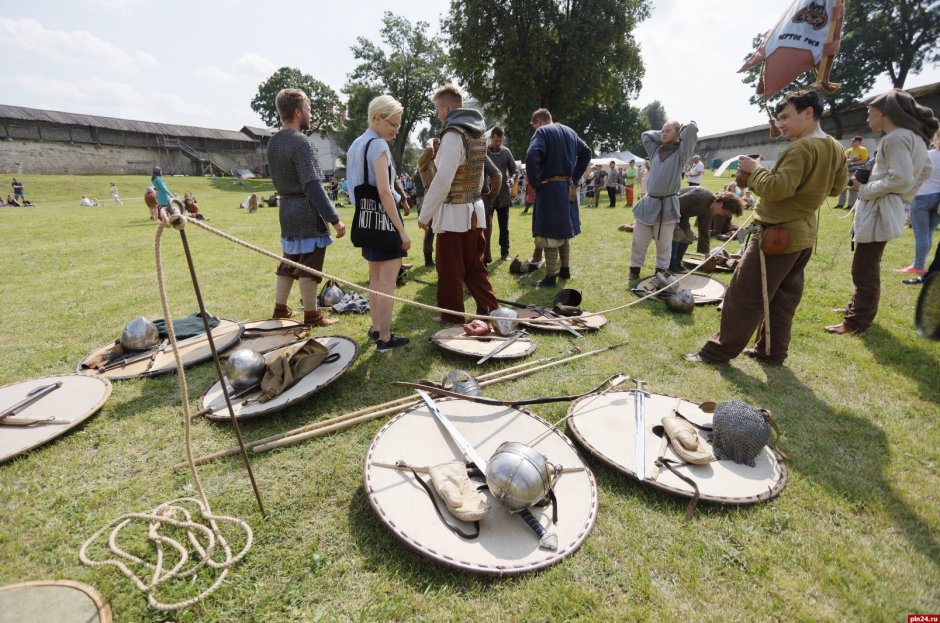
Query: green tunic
x: 808, y: 171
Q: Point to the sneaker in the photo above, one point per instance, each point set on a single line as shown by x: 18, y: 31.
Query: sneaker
x: 910, y: 270
x: 373, y: 335
x: 506, y: 257
x: 913, y: 281
x: 393, y: 341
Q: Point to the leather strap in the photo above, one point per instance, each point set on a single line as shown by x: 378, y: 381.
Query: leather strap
x: 668, y: 464
x: 437, y: 509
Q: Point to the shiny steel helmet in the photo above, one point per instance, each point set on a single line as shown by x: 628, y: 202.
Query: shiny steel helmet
x: 461, y: 382
x: 507, y: 323
x: 519, y: 476
x: 682, y: 302
x: 139, y: 334
x: 664, y: 280
x: 330, y: 295
x: 245, y: 368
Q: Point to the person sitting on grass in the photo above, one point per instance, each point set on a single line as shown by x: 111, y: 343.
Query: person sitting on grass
x: 191, y: 207
x: 85, y: 202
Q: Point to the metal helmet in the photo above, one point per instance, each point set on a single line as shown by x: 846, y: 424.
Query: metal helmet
x: 462, y: 383
x: 330, y: 295
x: 682, y: 302
x: 567, y: 296
x: 664, y: 280
x: 739, y: 431
x: 507, y: 323
x: 519, y: 476
x: 245, y: 368
x: 139, y: 334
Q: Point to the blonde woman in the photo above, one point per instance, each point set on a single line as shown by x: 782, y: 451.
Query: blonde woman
x: 372, y: 147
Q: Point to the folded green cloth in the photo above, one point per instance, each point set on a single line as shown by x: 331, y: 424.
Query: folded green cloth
x: 186, y: 327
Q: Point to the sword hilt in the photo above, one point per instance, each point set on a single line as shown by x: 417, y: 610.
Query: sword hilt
x: 546, y: 540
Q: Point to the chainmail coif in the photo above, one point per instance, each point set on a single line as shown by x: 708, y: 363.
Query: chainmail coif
x: 739, y: 431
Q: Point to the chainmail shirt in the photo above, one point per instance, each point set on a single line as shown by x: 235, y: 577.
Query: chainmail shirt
x: 294, y: 163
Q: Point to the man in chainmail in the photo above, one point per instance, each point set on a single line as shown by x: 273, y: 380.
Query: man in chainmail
x: 304, y: 208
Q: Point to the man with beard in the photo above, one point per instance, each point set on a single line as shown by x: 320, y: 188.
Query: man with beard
x: 453, y: 203
x: 557, y: 157
x: 658, y: 211
x: 304, y: 208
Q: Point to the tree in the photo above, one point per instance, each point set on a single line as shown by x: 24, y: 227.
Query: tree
x: 325, y: 105
x: 411, y: 71
x: 356, y: 111
x: 575, y: 57
x: 655, y: 114
x: 896, y: 37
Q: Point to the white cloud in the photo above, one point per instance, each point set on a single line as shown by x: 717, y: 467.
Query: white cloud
x: 78, y: 47
x: 255, y: 64
x: 219, y: 76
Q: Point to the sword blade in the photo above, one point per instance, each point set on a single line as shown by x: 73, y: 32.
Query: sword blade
x: 32, y: 396
x: 502, y: 346
x: 639, y: 412
x: 466, y: 449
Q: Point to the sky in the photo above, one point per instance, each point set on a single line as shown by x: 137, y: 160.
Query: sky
x: 200, y: 62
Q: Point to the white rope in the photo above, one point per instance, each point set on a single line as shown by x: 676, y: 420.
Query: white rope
x: 174, y: 514
x: 405, y: 301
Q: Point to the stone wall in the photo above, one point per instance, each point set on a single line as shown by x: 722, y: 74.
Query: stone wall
x: 51, y: 157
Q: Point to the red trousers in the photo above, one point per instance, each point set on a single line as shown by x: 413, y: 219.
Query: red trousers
x: 629, y: 195
x: 459, y: 257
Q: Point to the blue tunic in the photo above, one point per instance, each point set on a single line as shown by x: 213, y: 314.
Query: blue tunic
x: 555, y: 151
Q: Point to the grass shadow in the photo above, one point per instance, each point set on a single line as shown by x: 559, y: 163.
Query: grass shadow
x: 915, y: 363
x: 838, y: 449
x: 232, y: 185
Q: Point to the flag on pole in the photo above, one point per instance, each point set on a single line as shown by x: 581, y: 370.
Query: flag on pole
x: 808, y: 35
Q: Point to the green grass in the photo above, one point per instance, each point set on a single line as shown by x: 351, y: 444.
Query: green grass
x: 854, y: 536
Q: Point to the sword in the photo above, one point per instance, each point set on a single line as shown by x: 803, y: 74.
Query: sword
x: 503, y: 345
x: 639, y: 395
x: 544, y: 312
x: 546, y: 540
x: 32, y: 396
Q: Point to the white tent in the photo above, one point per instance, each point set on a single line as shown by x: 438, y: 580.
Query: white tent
x: 623, y: 156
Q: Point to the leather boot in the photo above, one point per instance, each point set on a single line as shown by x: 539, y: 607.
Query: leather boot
x: 316, y: 319
x: 634, y: 273
x: 282, y: 311
x: 564, y: 273
x: 546, y: 282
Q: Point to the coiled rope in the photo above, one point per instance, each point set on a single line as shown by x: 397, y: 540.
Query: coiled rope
x: 202, y: 532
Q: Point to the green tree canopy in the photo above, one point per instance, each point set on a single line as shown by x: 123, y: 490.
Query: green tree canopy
x: 575, y: 57
x: 325, y: 105
x: 895, y: 37
x: 655, y: 114
x: 411, y: 70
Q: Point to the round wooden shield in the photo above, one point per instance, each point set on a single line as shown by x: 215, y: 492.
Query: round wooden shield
x: 247, y: 405
x: 506, y: 544
x: 454, y: 340
x: 75, y: 398
x: 534, y: 320
x: 52, y: 601
x: 160, y: 360
x: 705, y: 290
x: 605, y: 425
x: 264, y: 335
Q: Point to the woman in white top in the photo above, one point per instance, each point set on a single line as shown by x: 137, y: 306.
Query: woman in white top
x: 902, y: 166
x: 385, y: 114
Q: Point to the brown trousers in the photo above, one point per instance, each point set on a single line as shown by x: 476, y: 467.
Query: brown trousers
x: 866, y: 275
x: 743, y: 308
x: 460, y: 261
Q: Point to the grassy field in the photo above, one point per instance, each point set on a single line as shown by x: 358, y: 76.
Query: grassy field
x: 854, y: 536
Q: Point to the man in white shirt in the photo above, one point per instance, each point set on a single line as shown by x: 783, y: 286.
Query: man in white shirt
x: 695, y: 170
x: 453, y: 203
